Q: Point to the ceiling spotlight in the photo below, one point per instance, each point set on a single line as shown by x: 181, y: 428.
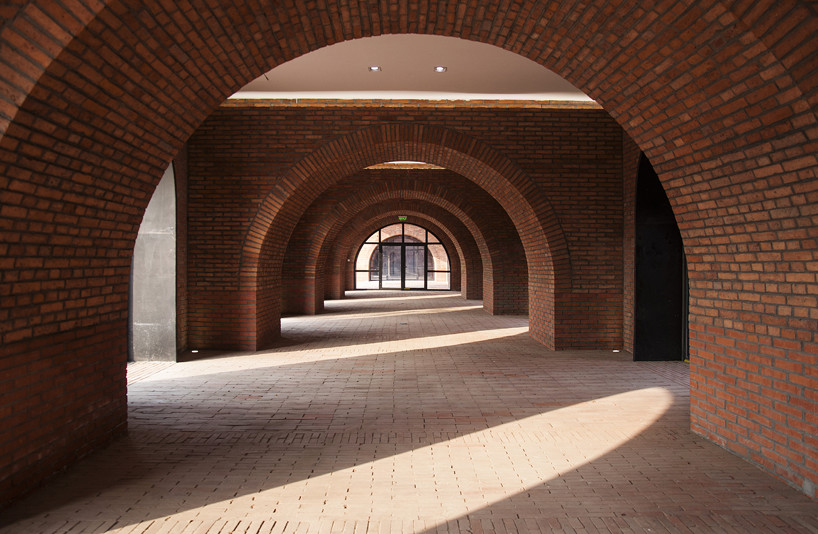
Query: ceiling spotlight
x: 440, y: 68
x: 374, y: 68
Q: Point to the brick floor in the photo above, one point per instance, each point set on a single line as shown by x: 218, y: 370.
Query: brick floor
x: 410, y: 413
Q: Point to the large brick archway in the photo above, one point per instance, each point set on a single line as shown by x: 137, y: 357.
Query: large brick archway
x: 480, y: 221
x: 326, y: 268
x: 350, y: 236
x: 720, y: 95
x: 549, y: 273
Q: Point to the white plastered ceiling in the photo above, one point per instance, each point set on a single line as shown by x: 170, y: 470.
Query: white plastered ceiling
x: 474, y: 71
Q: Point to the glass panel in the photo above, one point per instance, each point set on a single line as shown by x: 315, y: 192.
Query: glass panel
x: 392, y: 230
x: 439, y: 259
x: 390, y: 266
x: 414, y: 234
x: 415, y: 256
x: 366, y: 280
x: 367, y: 258
x: 439, y: 281
x: 402, y: 260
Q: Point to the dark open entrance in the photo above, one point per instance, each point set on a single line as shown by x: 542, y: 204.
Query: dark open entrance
x: 661, y: 286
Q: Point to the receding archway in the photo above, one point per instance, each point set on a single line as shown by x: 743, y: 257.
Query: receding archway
x: 337, y: 255
x: 537, y: 225
x: 328, y: 276
x: 479, y: 225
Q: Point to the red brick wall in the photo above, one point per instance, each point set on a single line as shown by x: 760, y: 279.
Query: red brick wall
x: 56, y: 408
x: 721, y: 95
x: 630, y: 170
x: 180, y: 173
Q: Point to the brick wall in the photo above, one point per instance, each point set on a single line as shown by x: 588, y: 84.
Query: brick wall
x: 630, y: 171
x: 246, y: 150
x: 721, y: 96
x: 180, y: 171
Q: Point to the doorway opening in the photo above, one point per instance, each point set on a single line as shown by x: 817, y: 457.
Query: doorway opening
x: 661, y: 283
x: 402, y: 256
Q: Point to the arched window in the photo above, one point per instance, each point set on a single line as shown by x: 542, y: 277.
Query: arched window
x: 402, y: 256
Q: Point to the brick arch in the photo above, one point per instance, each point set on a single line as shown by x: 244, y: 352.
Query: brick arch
x: 475, y: 254
x: 339, y: 243
x: 721, y: 95
x: 537, y: 225
x: 312, y: 269
x: 305, y: 295
x: 502, y: 257
x: 554, y: 36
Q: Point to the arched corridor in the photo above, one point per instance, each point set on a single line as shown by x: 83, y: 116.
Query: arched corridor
x: 410, y: 413
x: 99, y: 98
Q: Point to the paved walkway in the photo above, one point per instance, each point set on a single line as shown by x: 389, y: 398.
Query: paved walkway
x: 411, y: 413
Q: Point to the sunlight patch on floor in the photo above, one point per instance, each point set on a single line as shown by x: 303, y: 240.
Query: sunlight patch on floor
x: 454, y: 478
x: 395, y: 313
x: 307, y: 353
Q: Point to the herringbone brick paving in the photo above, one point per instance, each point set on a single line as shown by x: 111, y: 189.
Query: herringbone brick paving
x: 410, y: 413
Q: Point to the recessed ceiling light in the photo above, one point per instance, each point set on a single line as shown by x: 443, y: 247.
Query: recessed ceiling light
x: 440, y: 68
x: 374, y: 68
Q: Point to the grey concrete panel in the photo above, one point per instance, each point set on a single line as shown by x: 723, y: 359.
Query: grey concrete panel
x: 153, y: 278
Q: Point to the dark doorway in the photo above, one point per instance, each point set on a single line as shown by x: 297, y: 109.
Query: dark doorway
x: 661, y: 294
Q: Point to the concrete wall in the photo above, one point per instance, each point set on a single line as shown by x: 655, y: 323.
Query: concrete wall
x: 153, y: 278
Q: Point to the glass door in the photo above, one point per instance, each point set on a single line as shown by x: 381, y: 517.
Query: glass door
x: 391, y: 266
x: 414, y: 257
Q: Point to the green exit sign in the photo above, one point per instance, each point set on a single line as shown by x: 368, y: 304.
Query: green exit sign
x: 401, y: 217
